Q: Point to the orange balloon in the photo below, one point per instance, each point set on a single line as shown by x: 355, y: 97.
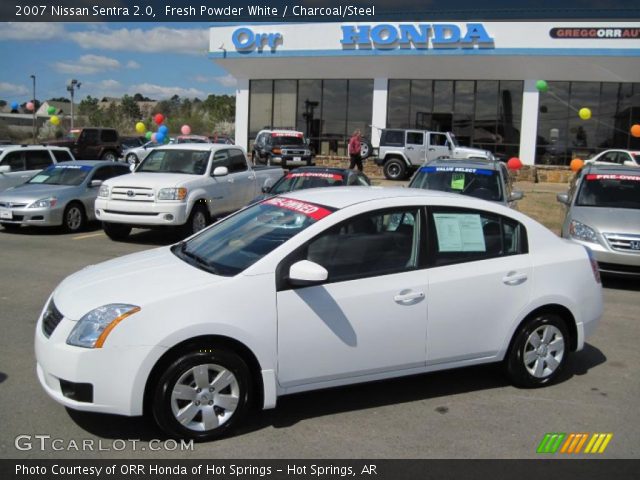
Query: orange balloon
x: 635, y: 130
x: 576, y: 165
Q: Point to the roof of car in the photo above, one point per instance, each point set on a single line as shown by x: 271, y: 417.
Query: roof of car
x: 33, y: 146
x: 197, y: 146
x: 342, y: 171
x: 341, y: 197
x: 89, y: 163
x: 463, y: 163
x: 610, y: 168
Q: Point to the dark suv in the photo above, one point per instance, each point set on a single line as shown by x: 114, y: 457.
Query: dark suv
x: 93, y: 144
x: 281, y: 147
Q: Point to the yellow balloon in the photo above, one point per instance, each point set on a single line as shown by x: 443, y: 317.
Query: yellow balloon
x: 55, y: 120
x: 584, y: 113
x: 140, y: 128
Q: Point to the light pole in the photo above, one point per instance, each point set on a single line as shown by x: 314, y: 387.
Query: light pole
x: 33, y: 77
x: 71, y: 88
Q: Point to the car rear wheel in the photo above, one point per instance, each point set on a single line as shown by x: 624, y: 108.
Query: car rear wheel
x: 74, y: 218
x: 203, y: 395
x: 132, y: 159
x: 109, y: 156
x: 116, y: 231
x: 198, y: 220
x: 394, y: 169
x: 538, y: 352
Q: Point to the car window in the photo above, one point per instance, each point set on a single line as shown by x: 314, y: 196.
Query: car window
x: 415, y: 138
x: 610, y: 157
x: 475, y: 182
x: 15, y: 160
x: 109, y: 171
x: 109, y: 136
x: 392, y: 138
x: 89, y: 136
x: 301, y: 180
x: 458, y: 235
x: 376, y: 243
x: 237, y: 162
x: 609, y: 191
x: 192, y: 162
x: 221, y: 158
x: 62, y: 155
x: 62, y: 175
x: 437, y: 139
x: 37, y: 159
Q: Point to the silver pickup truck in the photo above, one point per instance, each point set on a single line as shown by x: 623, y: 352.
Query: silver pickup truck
x: 402, y: 151
x: 182, y: 185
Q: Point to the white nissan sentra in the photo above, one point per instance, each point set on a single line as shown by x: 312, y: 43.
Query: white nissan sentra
x: 320, y: 288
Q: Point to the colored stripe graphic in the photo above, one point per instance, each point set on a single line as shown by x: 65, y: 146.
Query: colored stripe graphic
x: 572, y: 443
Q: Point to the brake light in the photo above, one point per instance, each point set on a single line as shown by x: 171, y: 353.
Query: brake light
x: 594, y: 264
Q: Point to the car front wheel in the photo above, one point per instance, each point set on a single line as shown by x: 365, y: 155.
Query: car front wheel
x: 538, y: 352
x: 74, y: 218
x: 109, y: 156
x: 203, y: 395
x: 394, y: 169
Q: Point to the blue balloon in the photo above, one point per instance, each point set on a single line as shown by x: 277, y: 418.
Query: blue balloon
x: 14, y: 105
x: 160, y: 136
x: 163, y: 129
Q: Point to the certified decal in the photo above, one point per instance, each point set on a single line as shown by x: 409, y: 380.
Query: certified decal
x: 308, y: 209
x: 332, y: 176
x: 602, y: 176
x: 477, y: 171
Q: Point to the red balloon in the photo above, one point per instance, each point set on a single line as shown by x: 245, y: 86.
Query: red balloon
x: 514, y: 163
x: 159, y: 118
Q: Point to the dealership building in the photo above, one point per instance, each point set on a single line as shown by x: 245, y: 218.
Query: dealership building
x: 477, y: 79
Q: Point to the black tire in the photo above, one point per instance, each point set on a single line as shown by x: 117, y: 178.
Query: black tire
x: 110, y: 156
x: 198, y: 219
x: 235, y: 393
x: 11, y: 227
x: 394, y: 169
x: 132, y: 159
x: 519, y: 361
x: 74, y: 218
x: 116, y: 231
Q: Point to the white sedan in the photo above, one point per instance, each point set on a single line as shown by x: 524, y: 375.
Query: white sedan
x: 323, y: 287
x: 628, y: 158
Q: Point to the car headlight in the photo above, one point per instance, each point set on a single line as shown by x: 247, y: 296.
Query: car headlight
x: 583, y: 232
x: 104, y: 191
x: 92, y: 330
x: 172, y: 193
x: 48, y: 202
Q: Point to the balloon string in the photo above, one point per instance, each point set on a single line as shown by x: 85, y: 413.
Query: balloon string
x: 600, y: 122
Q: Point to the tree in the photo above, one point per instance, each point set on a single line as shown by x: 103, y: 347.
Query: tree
x: 59, y: 99
x: 138, y: 97
x: 129, y: 108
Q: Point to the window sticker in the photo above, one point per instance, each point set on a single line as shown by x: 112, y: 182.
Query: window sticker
x: 39, y: 179
x: 457, y: 181
x: 593, y: 176
x: 459, y: 232
x: 476, y: 171
x: 308, y: 209
x: 333, y: 176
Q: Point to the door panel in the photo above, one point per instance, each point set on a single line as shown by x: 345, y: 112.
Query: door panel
x: 415, y: 148
x: 437, y: 146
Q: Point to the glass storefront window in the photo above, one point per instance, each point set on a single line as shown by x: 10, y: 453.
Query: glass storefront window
x: 398, y: 109
x: 260, y: 105
x: 284, y: 103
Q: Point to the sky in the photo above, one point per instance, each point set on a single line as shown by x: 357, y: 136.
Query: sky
x: 109, y: 59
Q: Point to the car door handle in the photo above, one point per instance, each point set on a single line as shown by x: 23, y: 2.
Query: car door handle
x: 408, y: 296
x: 432, y: 149
x: 409, y: 148
x: 513, y: 278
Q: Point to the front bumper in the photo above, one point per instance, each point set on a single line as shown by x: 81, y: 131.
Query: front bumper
x: 296, y: 160
x: 116, y: 376
x: 612, y: 262
x: 43, y: 217
x: 141, y: 213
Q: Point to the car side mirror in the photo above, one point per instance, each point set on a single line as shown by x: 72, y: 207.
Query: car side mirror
x: 516, y: 195
x: 563, y: 198
x: 132, y: 167
x: 268, y: 184
x: 305, y: 273
x: 95, y: 183
x: 220, y: 171
x: 630, y: 163
x: 5, y: 168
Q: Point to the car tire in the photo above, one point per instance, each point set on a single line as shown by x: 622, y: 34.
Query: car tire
x: 116, y: 231
x: 197, y: 221
x: 203, y: 395
x: 110, y: 156
x: 132, y: 159
x: 394, y: 169
x: 74, y: 218
x: 538, y: 351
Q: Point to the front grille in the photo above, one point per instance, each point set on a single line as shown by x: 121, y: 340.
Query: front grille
x: 623, y: 242
x: 117, y: 212
x: 132, y: 194
x: 51, y: 319
x: 12, y: 205
x: 293, y: 152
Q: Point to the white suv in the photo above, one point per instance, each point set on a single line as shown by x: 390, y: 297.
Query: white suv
x: 18, y: 163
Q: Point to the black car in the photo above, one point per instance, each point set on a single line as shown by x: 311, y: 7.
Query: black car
x: 314, y: 177
x: 281, y: 147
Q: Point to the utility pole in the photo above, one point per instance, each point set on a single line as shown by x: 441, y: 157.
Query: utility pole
x: 33, y: 77
x: 73, y: 85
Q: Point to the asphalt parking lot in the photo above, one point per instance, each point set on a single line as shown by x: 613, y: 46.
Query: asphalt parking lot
x: 467, y: 413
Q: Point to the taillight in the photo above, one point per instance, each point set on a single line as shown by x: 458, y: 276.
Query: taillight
x: 594, y: 264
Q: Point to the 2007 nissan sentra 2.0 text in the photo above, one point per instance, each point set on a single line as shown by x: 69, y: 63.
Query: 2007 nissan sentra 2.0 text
x: 316, y: 289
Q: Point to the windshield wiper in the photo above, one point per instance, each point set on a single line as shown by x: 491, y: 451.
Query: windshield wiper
x: 182, y: 247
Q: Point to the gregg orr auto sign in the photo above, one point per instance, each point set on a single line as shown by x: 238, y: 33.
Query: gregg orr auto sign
x: 595, y: 32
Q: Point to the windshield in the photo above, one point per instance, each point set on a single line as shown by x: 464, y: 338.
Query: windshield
x: 193, y: 162
x: 475, y: 182
x: 287, y: 140
x: 611, y: 191
x: 454, y: 140
x: 231, y: 246
x: 62, y: 175
x: 299, y: 180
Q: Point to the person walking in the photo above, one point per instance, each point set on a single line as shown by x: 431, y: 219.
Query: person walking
x: 354, y: 151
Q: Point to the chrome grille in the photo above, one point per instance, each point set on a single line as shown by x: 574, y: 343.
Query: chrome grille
x: 623, y: 242
x: 132, y: 194
x: 12, y: 205
x: 292, y: 152
x: 50, y: 319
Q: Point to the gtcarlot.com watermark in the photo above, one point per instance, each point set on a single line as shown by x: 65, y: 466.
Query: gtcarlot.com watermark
x: 48, y: 443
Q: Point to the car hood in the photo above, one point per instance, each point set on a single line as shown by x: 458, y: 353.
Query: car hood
x: 152, y: 180
x: 608, y: 220
x: 30, y: 192
x: 468, y: 150
x: 137, y: 279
